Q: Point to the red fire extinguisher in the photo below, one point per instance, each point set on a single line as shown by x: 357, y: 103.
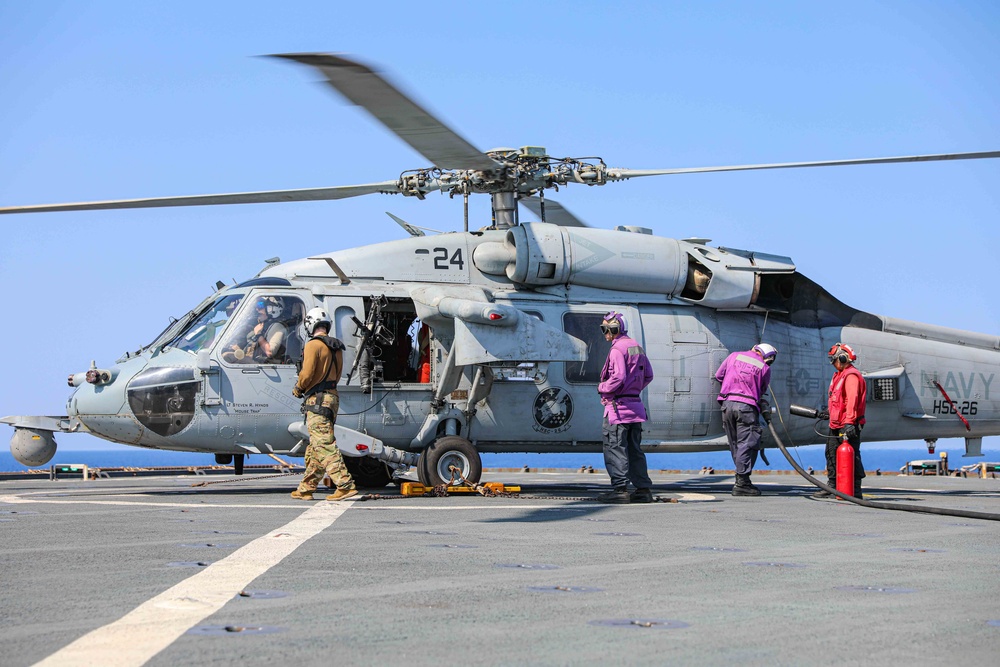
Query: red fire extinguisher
x: 845, y: 468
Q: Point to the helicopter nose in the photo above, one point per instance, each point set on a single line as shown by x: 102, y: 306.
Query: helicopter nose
x: 103, y: 407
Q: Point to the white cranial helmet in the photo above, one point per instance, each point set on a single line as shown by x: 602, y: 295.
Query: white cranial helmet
x: 767, y: 352
x: 314, y: 318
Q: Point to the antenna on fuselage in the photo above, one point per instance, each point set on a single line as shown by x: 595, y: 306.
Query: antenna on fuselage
x: 764, y: 327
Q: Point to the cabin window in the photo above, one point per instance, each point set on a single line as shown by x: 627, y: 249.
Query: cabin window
x: 885, y: 389
x: 586, y: 327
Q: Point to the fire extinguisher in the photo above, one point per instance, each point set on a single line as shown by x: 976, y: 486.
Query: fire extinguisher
x: 845, y: 468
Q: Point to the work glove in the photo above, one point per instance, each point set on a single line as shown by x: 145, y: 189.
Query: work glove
x: 849, y: 432
x: 296, y: 392
x: 764, y: 408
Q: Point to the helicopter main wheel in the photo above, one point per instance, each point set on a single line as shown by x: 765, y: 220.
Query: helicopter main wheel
x: 238, y: 463
x: 451, y: 450
x: 368, y: 472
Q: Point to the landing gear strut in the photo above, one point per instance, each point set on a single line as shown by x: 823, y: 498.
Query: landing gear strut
x: 238, y: 463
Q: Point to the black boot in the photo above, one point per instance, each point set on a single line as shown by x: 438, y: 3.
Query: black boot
x: 641, y: 496
x: 857, y: 490
x: 617, y: 496
x: 826, y: 494
x: 743, y: 487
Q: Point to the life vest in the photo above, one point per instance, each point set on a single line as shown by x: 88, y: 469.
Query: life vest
x: 332, y: 375
x: 837, y: 401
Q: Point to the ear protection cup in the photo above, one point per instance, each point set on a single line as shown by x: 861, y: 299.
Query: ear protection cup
x: 842, y: 353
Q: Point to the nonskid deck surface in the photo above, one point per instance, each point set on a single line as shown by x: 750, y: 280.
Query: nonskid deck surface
x: 151, y: 571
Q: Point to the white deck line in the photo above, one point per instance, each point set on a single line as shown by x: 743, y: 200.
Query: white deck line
x: 154, y: 625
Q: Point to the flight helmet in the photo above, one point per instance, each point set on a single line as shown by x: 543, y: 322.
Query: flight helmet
x: 314, y: 318
x: 843, y: 353
x: 274, y: 305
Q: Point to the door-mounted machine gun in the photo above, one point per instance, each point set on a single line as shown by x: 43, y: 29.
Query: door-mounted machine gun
x: 371, y: 333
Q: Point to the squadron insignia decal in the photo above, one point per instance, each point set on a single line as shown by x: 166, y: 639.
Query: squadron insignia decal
x: 553, y: 410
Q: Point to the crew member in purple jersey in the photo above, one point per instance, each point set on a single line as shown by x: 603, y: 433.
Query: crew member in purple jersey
x: 626, y: 373
x: 745, y: 377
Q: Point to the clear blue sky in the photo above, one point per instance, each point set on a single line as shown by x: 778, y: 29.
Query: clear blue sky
x: 104, y: 100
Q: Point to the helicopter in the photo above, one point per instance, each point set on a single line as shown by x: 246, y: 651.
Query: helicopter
x: 488, y: 339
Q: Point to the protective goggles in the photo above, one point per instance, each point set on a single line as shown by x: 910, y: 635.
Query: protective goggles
x: 842, y: 352
x: 609, y: 328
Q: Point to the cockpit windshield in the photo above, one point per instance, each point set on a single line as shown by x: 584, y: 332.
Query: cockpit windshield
x: 200, y: 334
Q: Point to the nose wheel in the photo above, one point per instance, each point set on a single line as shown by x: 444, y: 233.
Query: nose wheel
x: 434, y: 467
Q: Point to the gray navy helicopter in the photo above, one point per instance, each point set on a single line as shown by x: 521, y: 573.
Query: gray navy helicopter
x: 488, y: 340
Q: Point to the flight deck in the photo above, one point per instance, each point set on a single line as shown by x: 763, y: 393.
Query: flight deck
x: 154, y: 570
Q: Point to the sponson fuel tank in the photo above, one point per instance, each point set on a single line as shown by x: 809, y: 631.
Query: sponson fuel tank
x: 631, y: 260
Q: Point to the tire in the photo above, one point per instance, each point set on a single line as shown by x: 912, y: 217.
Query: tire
x: 368, y: 472
x: 451, y: 450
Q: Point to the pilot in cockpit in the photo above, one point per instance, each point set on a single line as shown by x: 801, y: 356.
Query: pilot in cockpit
x: 268, y: 336
x: 264, y: 341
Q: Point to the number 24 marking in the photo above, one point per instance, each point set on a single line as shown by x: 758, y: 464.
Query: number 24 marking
x: 443, y: 263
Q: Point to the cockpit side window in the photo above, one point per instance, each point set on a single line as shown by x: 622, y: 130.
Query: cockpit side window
x: 201, y: 334
x: 267, y: 331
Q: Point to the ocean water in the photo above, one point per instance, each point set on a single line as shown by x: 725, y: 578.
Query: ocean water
x: 885, y: 459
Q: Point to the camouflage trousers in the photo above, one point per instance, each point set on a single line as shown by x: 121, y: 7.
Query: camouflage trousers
x: 322, y: 455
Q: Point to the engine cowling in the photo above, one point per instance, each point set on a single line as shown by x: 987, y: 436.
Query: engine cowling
x: 32, y: 447
x: 628, y: 259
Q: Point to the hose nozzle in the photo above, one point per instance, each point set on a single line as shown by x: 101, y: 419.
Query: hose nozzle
x: 800, y: 411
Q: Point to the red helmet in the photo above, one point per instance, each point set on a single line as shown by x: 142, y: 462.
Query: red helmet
x: 842, y: 352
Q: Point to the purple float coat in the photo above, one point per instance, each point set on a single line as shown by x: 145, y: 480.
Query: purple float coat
x: 744, y: 377
x: 626, y: 373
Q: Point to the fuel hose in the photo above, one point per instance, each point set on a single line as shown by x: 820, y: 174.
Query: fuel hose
x: 870, y: 503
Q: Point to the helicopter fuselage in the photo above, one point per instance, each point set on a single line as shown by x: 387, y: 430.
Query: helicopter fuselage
x: 457, y: 346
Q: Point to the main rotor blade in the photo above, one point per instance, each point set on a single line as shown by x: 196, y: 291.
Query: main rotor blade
x: 555, y: 212
x: 408, y: 120
x: 262, y: 197
x: 621, y: 174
